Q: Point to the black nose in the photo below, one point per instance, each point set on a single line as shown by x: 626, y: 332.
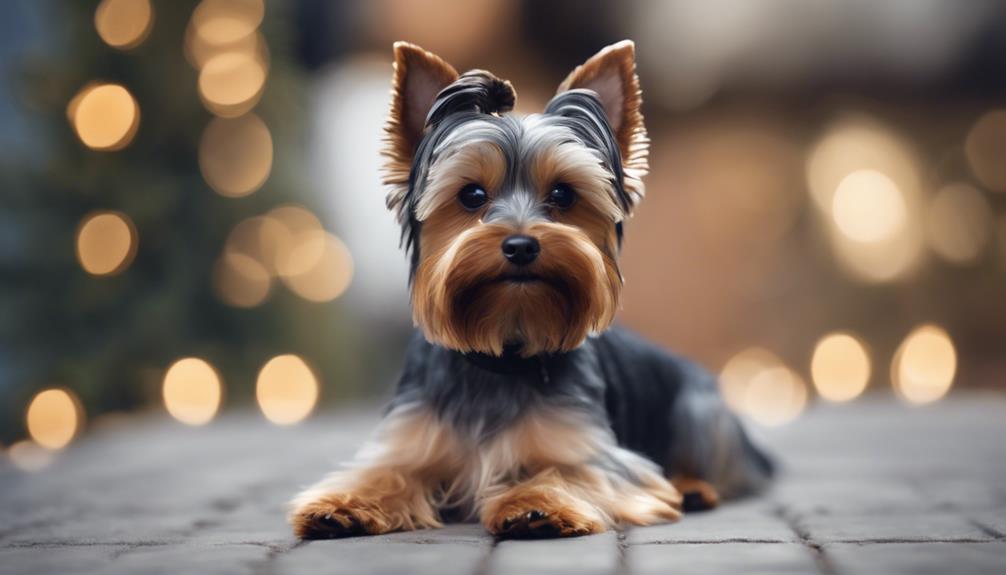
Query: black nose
x: 521, y: 250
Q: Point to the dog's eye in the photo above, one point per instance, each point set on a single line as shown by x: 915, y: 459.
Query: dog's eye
x: 473, y: 196
x: 562, y: 196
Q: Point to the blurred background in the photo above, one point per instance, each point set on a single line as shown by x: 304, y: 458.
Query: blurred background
x: 192, y: 221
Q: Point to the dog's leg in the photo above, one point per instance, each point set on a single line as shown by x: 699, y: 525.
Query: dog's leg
x: 390, y: 486
x: 563, y: 475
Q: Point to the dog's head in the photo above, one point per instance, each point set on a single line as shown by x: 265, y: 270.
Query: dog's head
x: 513, y: 223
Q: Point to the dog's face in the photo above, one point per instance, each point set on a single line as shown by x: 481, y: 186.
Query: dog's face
x: 514, y: 223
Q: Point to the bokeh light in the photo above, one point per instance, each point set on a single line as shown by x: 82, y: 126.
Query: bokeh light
x: 29, y: 456
x: 286, y: 390
x: 53, y: 418
x: 958, y: 223
x: 775, y: 396
x: 868, y: 207
x: 323, y: 266
x: 124, y: 24
x: 235, y: 155
x: 192, y: 391
x: 924, y: 366
x: 106, y: 243
x: 985, y: 147
x: 105, y: 116
x: 226, y: 21
x: 231, y: 83
x: 756, y: 383
x: 865, y: 182
x: 240, y: 280
x: 840, y: 367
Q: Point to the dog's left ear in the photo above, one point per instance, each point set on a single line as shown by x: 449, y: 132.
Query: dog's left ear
x: 611, y: 73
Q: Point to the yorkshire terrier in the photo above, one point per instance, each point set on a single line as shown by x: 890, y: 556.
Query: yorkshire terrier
x: 517, y: 405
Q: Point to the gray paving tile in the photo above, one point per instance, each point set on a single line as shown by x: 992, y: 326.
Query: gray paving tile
x: 892, y: 527
x: 747, y: 521
x: 381, y: 557
x: 721, y: 558
x: 919, y: 558
x: 576, y: 555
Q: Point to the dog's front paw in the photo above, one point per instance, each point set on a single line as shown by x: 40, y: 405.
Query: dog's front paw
x: 530, y: 514
x: 334, y: 516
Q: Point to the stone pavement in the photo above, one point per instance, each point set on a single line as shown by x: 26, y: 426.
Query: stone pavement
x: 872, y: 487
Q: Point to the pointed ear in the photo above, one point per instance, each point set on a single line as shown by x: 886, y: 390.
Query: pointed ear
x: 611, y: 73
x: 418, y: 78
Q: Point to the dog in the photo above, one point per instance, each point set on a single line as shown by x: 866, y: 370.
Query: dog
x: 518, y: 403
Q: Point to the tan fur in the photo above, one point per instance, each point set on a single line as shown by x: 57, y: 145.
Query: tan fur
x: 580, y: 168
x: 546, y: 462
x: 558, y: 453
x: 392, y: 484
x: 418, y: 77
x: 479, y: 163
x: 612, y: 74
x: 460, y: 302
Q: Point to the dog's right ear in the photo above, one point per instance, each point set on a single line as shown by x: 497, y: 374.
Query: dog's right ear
x: 418, y: 78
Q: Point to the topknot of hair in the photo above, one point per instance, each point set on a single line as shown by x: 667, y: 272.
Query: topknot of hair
x: 474, y: 91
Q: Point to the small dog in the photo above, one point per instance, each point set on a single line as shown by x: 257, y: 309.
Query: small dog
x: 517, y: 404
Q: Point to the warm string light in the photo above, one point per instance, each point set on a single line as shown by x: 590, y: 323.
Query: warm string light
x: 865, y: 183
x: 235, y: 155
x: 840, y: 367
x: 288, y: 243
x: 756, y: 383
x: 105, y: 117
x: 924, y: 366
x: 106, y: 243
x: 286, y: 390
x: 192, y: 391
x: 53, y: 418
x: 124, y: 24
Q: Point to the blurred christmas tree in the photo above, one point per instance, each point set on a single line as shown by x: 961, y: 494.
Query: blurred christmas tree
x: 176, y: 125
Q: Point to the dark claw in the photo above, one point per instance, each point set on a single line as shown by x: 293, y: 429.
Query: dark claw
x: 536, y: 515
x: 695, y: 502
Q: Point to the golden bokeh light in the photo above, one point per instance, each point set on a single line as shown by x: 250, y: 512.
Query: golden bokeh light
x: 868, y: 207
x: 985, y: 147
x: 53, y: 418
x: 286, y: 390
x: 227, y: 21
x: 230, y: 83
x: 757, y: 384
x: 105, y: 116
x: 298, y: 250
x: 775, y: 396
x: 924, y: 366
x: 192, y: 391
x: 738, y: 372
x: 235, y: 155
x: 840, y: 367
x: 240, y: 280
x: 29, y: 456
x: 958, y: 223
x: 865, y: 181
x: 326, y: 263
x: 198, y: 51
x: 106, y: 243
x: 124, y: 24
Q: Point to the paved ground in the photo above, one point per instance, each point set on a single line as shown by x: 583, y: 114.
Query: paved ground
x: 874, y: 487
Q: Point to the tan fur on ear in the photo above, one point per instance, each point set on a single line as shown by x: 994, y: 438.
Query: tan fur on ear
x: 612, y: 74
x: 418, y: 78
